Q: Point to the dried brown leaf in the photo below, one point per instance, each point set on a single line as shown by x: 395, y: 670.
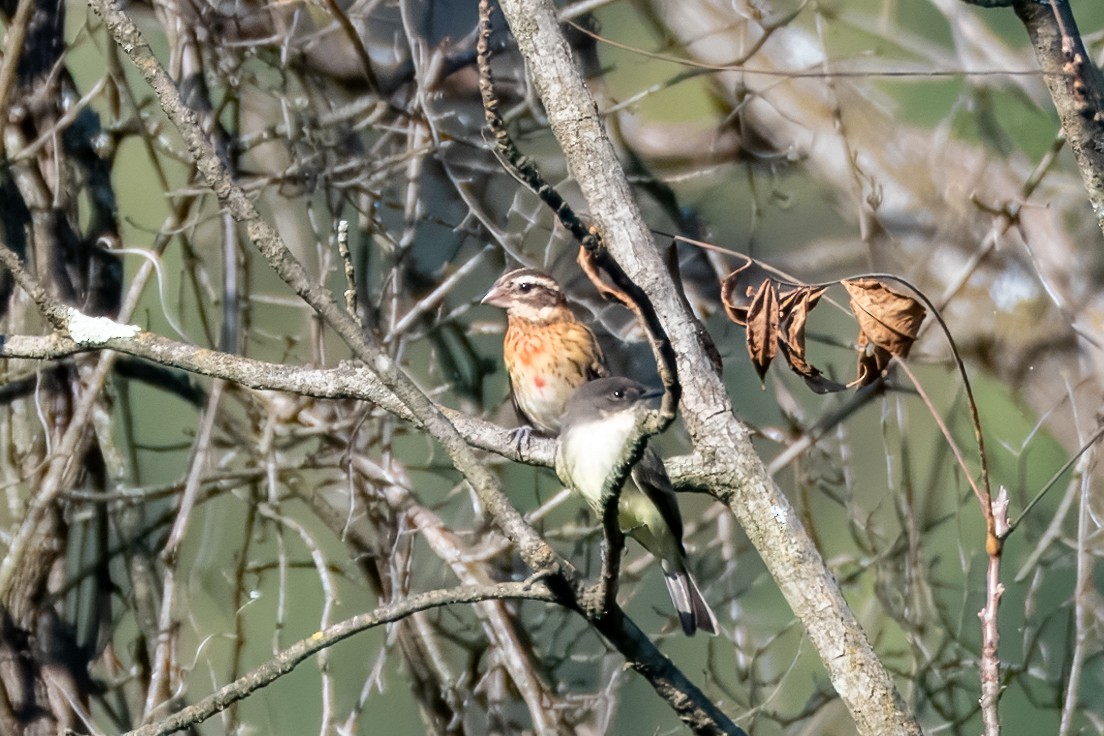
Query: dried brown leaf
x: 788, y: 299
x: 739, y: 288
x: 775, y: 316
x: 889, y: 320
x: 795, y: 306
x: 763, y: 327
x: 873, y: 360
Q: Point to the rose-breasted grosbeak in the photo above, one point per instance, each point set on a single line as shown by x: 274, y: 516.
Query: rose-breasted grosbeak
x: 547, y: 351
x: 598, y: 421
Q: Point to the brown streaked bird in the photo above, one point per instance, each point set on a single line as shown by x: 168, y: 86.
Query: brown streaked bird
x: 600, y: 417
x: 547, y: 351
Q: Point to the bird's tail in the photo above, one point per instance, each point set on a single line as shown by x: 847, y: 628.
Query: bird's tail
x: 694, y: 613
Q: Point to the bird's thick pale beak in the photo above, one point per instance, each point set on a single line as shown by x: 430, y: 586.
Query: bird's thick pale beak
x: 496, y: 297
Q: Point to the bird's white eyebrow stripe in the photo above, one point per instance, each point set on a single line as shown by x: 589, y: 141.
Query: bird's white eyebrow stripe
x: 544, y: 281
x: 531, y: 276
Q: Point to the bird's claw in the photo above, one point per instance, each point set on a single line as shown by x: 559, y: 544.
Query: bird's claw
x: 518, y: 435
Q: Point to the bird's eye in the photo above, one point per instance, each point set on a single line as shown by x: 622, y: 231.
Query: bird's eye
x: 619, y: 394
x: 525, y: 287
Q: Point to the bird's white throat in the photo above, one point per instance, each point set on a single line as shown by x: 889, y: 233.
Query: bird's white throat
x: 589, y: 450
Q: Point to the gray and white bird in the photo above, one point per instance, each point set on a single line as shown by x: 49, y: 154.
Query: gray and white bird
x: 598, y: 421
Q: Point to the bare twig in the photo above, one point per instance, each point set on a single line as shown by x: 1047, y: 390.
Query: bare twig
x: 288, y: 659
x: 984, y: 493
x: 630, y: 296
x: 159, y: 684
x: 354, y: 39
x: 533, y: 549
x: 1054, y: 478
x: 1084, y: 612
x: 61, y: 463
x: 989, y: 667
x: 502, y: 630
x: 592, y: 252
x: 518, y: 164
x: 434, y: 298
x: 349, y: 267
x: 13, y: 51
x: 346, y: 381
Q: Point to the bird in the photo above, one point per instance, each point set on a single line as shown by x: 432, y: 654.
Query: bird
x: 598, y: 421
x: 548, y: 352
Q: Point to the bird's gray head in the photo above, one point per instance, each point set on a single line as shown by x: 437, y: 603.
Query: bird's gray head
x: 606, y: 397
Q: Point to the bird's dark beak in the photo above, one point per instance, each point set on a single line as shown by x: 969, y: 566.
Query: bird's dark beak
x: 496, y: 297
x: 652, y: 393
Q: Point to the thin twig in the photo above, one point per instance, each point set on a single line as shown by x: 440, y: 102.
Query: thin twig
x: 345, y: 381
x: 350, y: 268
x: 984, y: 494
x: 13, y: 51
x: 290, y: 658
x: 1096, y: 437
x: 352, y: 35
x: 989, y: 666
x: 160, y: 684
x: 434, y: 298
x: 1084, y: 610
x: 592, y: 252
x: 518, y: 164
x: 946, y: 432
x: 533, y: 549
x: 62, y: 463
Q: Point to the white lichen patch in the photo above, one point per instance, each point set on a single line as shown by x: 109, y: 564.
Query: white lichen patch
x: 87, y: 330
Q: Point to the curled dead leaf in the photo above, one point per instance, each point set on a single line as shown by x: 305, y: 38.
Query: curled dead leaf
x: 888, y: 319
x: 873, y: 360
x: 795, y: 306
x: 775, y: 314
x: 739, y: 289
x: 763, y: 327
x: 889, y: 323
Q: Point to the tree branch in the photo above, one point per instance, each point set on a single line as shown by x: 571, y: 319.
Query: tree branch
x: 990, y: 632
x: 533, y: 549
x: 538, y: 555
x: 1076, y: 86
x: 346, y: 381
x: 734, y: 473
x: 290, y: 658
